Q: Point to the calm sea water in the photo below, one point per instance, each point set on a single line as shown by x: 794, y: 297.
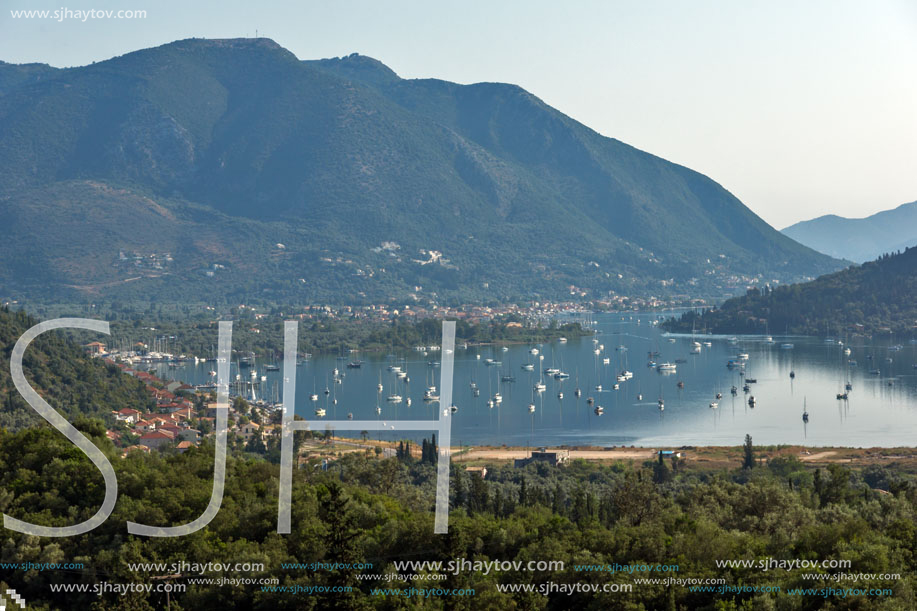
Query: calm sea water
x: 881, y: 409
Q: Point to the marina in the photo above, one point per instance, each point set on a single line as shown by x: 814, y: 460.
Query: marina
x: 641, y: 390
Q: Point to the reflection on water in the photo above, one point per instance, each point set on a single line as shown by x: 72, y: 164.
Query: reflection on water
x: 881, y: 409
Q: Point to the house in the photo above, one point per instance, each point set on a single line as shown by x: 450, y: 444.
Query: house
x: 157, y: 439
x: 248, y: 430
x: 135, y: 448
x: 145, y: 426
x: 479, y: 471
x: 555, y: 457
x: 183, y: 446
x: 192, y: 435
x: 94, y: 348
x: 128, y: 415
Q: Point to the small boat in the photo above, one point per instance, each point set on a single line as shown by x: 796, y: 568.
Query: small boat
x: 680, y: 384
x: 627, y: 374
x: 490, y: 403
x: 639, y: 397
x: 453, y: 408
x: 562, y: 340
x: 498, y: 398
x: 394, y: 398
x: 734, y: 391
x: 560, y: 375
x: 792, y: 374
x: 528, y: 367
x: 842, y: 396
x: 379, y: 388
x: 599, y: 410
x: 350, y: 415
x: 551, y: 371
x: 719, y: 395
x: 531, y: 408
x: 533, y: 351
x: 504, y: 349
x: 751, y: 380
x: 313, y: 397
x: 666, y: 367
x: 787, y: 346
x: 507, y: 378
x: 848, y: 386
x: 272, y: 367
x: 660, y: 404
x: 708, y: 344
x: 320, y: 412
x: 354, y: 364
x: 378, y: 410
x: 590, y: 401
x: 598, y: 388
x: 615, y: 386
x: 476, y: 392
x: 540, y: 387
x: 746, y: 388
x: 751, y: 401
x: 560, y: 395
x: 606, y: 361
x: 847, y: 351
x: 714, y: 405
x: 406, y: 401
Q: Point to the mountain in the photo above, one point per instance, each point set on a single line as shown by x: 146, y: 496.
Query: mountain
x: 876, y: 297
x: 232, y: 170
x: 859, y: 239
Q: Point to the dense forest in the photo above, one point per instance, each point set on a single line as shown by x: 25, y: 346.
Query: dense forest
x: 366, y: 509
x: 876, y: 297
x: 63, y: 376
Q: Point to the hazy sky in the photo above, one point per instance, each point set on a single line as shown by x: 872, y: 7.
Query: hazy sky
x: 798, y: 108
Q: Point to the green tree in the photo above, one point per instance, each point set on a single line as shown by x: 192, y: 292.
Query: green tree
x: 749, y: 461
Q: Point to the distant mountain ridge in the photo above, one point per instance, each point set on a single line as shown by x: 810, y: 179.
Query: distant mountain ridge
x: 232, y: 168
x: 861, y: 239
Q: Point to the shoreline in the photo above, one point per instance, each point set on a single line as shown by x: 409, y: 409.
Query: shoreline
x: 692, y: 456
